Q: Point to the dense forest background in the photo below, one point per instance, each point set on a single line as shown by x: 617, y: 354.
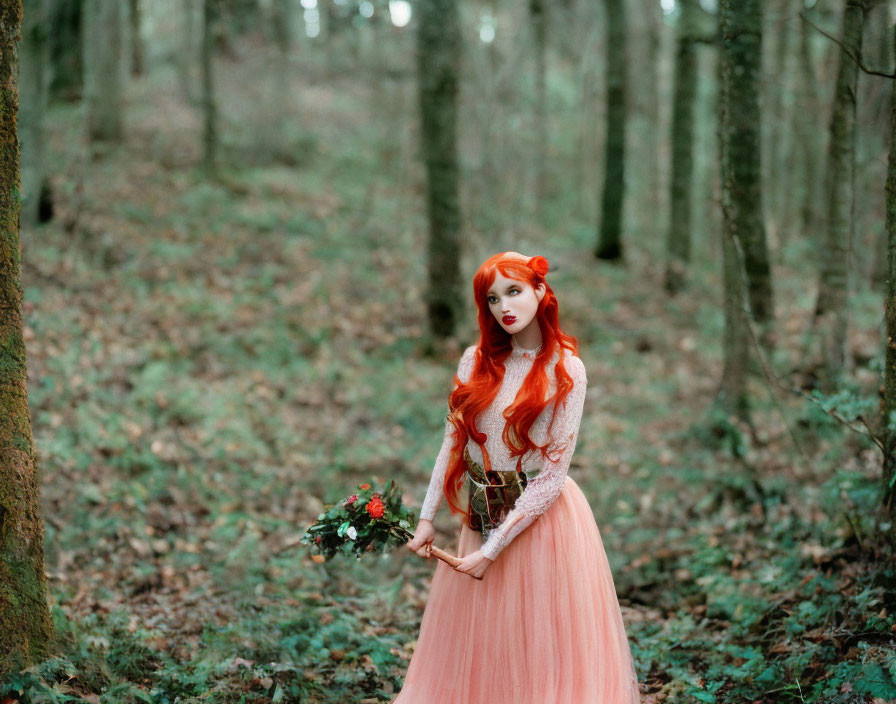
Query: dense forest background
x: 247, y: 234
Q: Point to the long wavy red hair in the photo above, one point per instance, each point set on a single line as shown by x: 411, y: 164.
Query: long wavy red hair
x: 469, y: 399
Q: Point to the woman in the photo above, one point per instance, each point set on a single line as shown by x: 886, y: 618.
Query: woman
x: 542, y: 625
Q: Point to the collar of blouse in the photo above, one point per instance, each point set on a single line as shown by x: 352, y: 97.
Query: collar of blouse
x: 520, y: 351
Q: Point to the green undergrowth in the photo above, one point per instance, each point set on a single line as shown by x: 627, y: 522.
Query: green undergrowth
x: 773, y: 600
x: 305, y: 649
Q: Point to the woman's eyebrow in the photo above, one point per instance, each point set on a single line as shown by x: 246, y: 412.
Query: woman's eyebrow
x: 509, y: 286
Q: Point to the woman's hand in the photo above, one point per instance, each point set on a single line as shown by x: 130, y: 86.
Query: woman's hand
x: 475, y: 564
x: 421, y: 543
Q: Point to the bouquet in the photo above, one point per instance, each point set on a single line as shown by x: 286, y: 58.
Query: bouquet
x: 367, y: 521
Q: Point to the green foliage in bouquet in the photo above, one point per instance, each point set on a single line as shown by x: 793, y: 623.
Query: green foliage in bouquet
x: 368, y: 521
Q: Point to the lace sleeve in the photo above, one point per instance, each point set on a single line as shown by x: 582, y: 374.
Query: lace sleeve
x: 435, y: 492
x: 543, y: 489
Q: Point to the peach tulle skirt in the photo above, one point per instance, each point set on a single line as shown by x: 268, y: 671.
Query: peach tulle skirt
x: 543, y: 626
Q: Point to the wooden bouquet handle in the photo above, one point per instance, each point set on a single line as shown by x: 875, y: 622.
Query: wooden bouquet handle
x: 450, y: 559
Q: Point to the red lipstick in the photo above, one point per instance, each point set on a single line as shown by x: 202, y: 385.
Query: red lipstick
x: 509, y: 319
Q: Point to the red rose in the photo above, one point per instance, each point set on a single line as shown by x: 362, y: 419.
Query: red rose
x: 317, y: 539
x: 364, y: 486
x: 351, y: 499
x: 539, y: 265
x: 375, y: 507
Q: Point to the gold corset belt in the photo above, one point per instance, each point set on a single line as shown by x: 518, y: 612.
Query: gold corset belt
x: 492, y: 494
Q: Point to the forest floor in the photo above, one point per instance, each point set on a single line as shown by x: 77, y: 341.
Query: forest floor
x: 211, y: 362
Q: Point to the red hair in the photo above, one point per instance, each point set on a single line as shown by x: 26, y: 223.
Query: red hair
x: 469, y: 399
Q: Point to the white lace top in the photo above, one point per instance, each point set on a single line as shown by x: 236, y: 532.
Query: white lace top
x: 542, y: 489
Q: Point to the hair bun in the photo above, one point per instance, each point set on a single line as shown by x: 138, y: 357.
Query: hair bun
x: 539, y: 265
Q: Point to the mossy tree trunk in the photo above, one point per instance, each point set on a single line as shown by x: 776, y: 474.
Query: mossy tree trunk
x: 209, y: 107
x: 738, y: 138
x: 678, y: 242
x: 609, y: 244
x: 741, y: 52
x: 102, y: 70
x: 66, y: 49
x: 889, y: 400
x: 25, y: 628
x: 32, y: 78
x: 438, y: 58
x: 831, y: 306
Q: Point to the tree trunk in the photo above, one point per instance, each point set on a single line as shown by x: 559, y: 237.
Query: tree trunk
x: 654, y: 12
x: 831, y: 306
x: 137, y: 53
x: 774, y: 42
x: 732, y: 393
x: 187, y: 53
x: 889, y: 400
x: 682, y: 176
x: 209, y: 107
x: 807, y: 104
x: 281, y: 24
x: 25, y: 627
x: 102, y: 70
x: 32, y: 72
x: 66, y: 49
x: 741, y: 54
x: 438, y: 56
x: 738, y: 196
x: 784, y: 154
x: 538, y: 17
x: 240, y: 16
x: 610, y: 239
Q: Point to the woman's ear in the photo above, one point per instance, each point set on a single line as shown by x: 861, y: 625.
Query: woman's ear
x: 540, y: 290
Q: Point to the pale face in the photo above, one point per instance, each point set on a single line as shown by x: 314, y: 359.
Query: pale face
x: 514, y: 303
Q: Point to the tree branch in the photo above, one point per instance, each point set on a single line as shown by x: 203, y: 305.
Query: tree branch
x: 848, y: 52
